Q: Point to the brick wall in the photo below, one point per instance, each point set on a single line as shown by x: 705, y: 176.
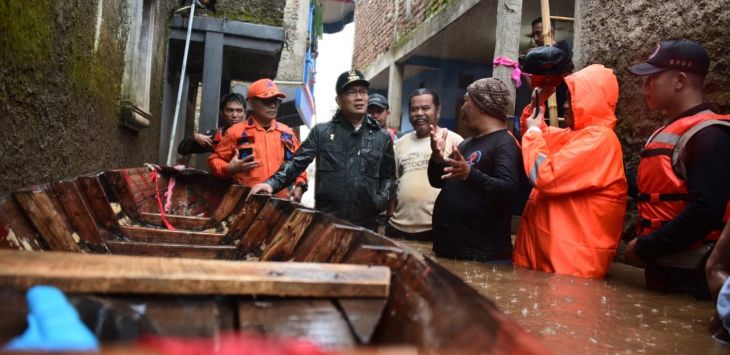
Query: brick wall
x: 379, y: 26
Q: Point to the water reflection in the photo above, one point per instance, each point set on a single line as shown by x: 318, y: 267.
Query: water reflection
x: 576, y: 315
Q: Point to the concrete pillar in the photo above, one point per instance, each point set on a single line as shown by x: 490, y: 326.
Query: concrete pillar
x: 212, y: 77
x: 507, y: 34
x: 293, y: 55
x: 395, y: 94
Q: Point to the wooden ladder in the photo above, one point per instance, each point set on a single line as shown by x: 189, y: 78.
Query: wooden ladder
x: 548, y: 40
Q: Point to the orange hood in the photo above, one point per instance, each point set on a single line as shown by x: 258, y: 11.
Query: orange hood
x: 594, y: 93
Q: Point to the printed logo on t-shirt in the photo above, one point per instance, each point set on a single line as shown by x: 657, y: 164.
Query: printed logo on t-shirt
x: 474, y: 157
x: 414, y: 162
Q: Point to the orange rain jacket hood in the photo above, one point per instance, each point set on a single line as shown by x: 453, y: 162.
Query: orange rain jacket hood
x: 573, y: 220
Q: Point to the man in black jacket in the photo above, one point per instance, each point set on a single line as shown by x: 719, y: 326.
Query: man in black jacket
x: 355, y: 173
x: 472, y: 214
x: 232, y: 110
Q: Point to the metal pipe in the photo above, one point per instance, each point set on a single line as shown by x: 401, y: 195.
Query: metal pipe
x: 182, y: 82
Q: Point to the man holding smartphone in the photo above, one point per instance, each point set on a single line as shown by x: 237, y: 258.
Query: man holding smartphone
x: 573, y: 219
x: 254, y: 149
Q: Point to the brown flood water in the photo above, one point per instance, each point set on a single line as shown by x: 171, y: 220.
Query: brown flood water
x: 573, y: 315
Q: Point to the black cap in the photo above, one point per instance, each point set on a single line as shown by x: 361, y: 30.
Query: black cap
x: 547, y: 60
x: 682, y: 55
x: 378, y: 100
x: 348, y: 78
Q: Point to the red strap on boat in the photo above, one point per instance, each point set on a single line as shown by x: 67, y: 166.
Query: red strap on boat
x: 154, y: 177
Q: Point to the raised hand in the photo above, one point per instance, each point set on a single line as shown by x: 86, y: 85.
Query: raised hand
x: 537, y: 117
x: 438, y: 144
x: 458, y: 168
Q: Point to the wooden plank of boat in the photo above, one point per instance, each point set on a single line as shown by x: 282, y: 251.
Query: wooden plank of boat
x: 265, y: 221
x: 318, y: 225
x: 330, y: 245
x: 127, y: 196
x: 46, y: 214
x: 131, y: 274
x: 78, y: 212
x: 158, y: 235
x: 123, y: 318
x: 204, y: 194
x: 16, y: 231
x: 392, y: 257
x: 13, y: 314
x: 97, y: 200
x: 224, y: 252
x: 287, y: 235
x: 177, y: 221
x: 317, y: 320
x: 363, y: 315
x: 245, y: 217
x: 232, y: 201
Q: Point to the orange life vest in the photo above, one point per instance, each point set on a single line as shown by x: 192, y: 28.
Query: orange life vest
x: 661, y: 178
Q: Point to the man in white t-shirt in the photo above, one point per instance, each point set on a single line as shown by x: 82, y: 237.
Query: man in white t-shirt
x: 415, y: 197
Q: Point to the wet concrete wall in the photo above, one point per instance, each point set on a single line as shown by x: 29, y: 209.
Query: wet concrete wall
x: 265, y: 12
x: 61, y: 69
x: 620, y: 33
x: 62, y: 66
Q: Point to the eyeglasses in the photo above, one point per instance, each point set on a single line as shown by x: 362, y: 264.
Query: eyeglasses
x: 355, y: 93
x: 232, y: 110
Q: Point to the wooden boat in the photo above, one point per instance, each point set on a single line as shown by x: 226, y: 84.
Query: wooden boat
x: 104, y: 242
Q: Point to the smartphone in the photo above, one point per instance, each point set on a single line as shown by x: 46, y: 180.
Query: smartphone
x: 244, y: 152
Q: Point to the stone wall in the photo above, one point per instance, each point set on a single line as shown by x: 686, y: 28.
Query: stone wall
x: 380, y: 25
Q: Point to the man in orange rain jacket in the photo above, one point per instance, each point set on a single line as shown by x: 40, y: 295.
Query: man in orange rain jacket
x: 573, y: 220
x: 254, y: 149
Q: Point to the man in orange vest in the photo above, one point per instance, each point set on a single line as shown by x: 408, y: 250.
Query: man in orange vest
x: 254, y: 149
x: 573, y: 218
x: 683, y: 177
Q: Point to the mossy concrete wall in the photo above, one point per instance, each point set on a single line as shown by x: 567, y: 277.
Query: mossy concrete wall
x: 60, y: 87
x: 265, y: 12
x: 61, y: 70
x: 619, y: 33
